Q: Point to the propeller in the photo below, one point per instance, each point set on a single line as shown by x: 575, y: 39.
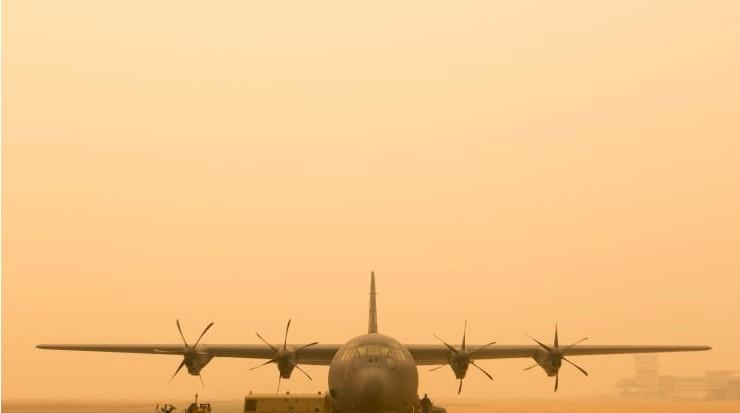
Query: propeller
x: 462, y: 358
x: 285, y: 357
x: 194, y: 359
x: 556, y: 355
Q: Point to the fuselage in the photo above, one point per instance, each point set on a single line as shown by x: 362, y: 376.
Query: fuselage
x: 373, y: 373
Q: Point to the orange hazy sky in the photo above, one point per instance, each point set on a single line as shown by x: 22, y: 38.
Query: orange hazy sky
x: 508, y: 163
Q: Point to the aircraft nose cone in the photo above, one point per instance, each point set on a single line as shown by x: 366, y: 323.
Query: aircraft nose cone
x: 371, y: 389
x: 374, y: 388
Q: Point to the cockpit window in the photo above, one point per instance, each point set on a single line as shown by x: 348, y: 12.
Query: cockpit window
x: 387, y: 350
x: 397, y: 353
x: 348, y: 353
x: 373, y: 350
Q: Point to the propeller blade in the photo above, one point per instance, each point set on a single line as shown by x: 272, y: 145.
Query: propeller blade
x: 452, y: 349
x: 437, y: 368
x: 202, y: 334
x: 465, y: 330
x: 574, y: 344
x: 481, y: 369
x: 306, y: 346
x: 285, y: 341
x: 265, y: 341
x: 531, y: 367
x: 280, y: 378
x: 178, y: 369
x: 556, y: 334
x: 303, y: 371
x: 585, y: 373
x: 546, y: 347
x: 202, y: 383
x: 459, y: 389
x: 482, y: 347
x: 263, y: 364
x: 181, y: 334
x: 557, y: 380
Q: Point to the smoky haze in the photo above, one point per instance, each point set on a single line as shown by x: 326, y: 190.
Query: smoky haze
x: 508, y: 164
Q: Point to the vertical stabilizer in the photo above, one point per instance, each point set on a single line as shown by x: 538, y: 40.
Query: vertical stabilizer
x: 372, y: 326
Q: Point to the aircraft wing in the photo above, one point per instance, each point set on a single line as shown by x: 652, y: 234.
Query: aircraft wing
x: 320, y: 354
x: 426, y: 354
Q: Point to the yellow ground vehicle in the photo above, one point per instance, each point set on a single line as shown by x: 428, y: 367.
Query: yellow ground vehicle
x: 286, y: 403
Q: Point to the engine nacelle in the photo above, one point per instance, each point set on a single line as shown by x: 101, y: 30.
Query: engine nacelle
x: 551, y: 358
x: 286, y: 361
x: 285, y: 356
x: 548, y: 362
x: 461, y: 358
x: 460, y: 364
x: 195, y: 362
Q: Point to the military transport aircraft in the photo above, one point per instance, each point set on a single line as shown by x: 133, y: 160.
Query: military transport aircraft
x: 373, y: 372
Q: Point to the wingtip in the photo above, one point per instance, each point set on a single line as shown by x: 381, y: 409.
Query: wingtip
x: 701, y: 348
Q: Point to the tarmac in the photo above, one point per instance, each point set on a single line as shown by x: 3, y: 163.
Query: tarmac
x: 453, y: 406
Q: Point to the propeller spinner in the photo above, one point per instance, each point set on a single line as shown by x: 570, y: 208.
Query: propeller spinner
x: 285, y: 357
x: 461, y: 359
x: 554, y: 357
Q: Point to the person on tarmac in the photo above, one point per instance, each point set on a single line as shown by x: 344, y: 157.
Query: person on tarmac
x: 426, y: 404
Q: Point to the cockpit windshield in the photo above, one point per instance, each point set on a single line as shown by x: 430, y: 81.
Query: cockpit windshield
x: 391, y: 350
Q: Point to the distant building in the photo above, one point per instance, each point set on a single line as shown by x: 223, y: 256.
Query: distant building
x: 645, y: 383
x: 649, y: 384
x: 723, y: 385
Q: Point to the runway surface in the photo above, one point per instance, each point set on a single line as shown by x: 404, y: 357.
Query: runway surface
x: 453, y: 406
